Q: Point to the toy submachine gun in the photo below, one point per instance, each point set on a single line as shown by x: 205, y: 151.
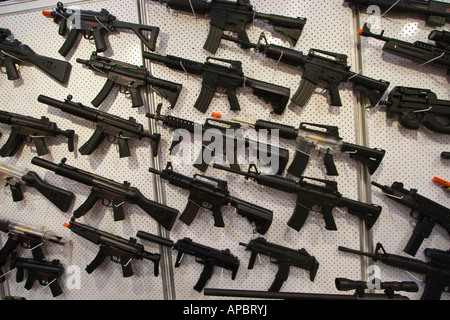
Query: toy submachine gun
x: 132, y: 78
x: 415, y: 107
x: 92, y: 25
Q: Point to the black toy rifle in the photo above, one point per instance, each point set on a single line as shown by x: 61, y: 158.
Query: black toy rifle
x: 28, y: 237
x: 222, y: 126
x: 418, y: 51
x: 284, y: 257
x: 92, y: 25
x: 107, y: 125
x: 320, y: 66
x: 235, y: 16
x: 427, y: 212
x: 25, y: 128
x: 132, y: 78
x: 16, y: 177
x: 321, y: 197
x: 415, y: 107
x: 13, y: 52
x: 120, y: 250
x: 215, y: 194
x: 111, y: 193
x: 46, y: 272
x: 437, y: 12
x: 312, y: 136
x: 436, y: 271
x: 227, y: 74
x: 341, y: 284
x: 209, y: 257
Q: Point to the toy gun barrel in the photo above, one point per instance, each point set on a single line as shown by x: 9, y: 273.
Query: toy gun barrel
x: 177, y: 63
x: 155, y: 239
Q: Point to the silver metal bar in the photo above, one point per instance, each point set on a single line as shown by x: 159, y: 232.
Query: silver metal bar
x: 362, y: 138
x: 158, y: 186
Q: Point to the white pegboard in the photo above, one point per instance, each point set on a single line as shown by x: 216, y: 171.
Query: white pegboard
x: 41, y: 34
x: 329, y: 28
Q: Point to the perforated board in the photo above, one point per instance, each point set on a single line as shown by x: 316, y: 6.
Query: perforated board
x: 183, y: 35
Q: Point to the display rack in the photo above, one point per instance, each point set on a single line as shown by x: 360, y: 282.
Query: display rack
x: 411, y: 157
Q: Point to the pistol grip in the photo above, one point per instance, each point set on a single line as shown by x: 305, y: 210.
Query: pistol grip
x: 11, y: 69
x: 99, y: 40
x: 281, y: 276
x: 136, y: 98
x: 206, y: 274
x: 124, y: 148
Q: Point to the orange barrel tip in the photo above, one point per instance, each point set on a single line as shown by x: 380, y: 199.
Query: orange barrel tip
x: 66, y: 225
x: 441, y: 182
x: 216, y: 115
x: 360, y: 31
x: 47, y: 13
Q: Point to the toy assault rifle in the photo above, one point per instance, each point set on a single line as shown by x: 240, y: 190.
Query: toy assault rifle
x: 13, y: 52
x: 436, y: 271
x: 341, y: 284
x: 282, y: 155
x: 416, y: 107
x: 132, y: 78
x: 107, y: 125
x: 427, y: 212
x: 92, y: 25
x: 208, y: 256
x: 235, y: 16
x: 284, y: 257
x: 28, y: 237
x: 16, y: 177
x: 227, y: 74
x: 321, y: 197
x: 437, y: 12
x: 46, y: 272
x: 320, y: 66
x: 437, y: 55
x: 119, y: 249
x: 24, y: 128
x: 322, y: 137
x: 111, y: 193
x: 214, y: 192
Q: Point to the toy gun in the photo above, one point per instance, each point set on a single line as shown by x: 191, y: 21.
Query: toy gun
x: 209, y: 257
x: 28, y: 237
x: 284, y: 257
x: 111, y: 193
x: 322, y: 137
x: 341, y: 284
x: 46, y: 272
x: 13, y: 52
x: 24, y: 128
x: 92, y: 25
x: 320, y: 66
x: 213, y: 194
x: 235, y: 16
x: 16, y: 177
x: 280, y: 154
x: 132, y: 78
x: 418, y: 106
x: 442, y: 182
x: 227, y: 74
x: 108, y: 125
x: 422, y: 52
x: 437, y: 12
x: 427, y: 212
x: 436, y: 271
x: 120, y: 250
x: 321, y: 197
